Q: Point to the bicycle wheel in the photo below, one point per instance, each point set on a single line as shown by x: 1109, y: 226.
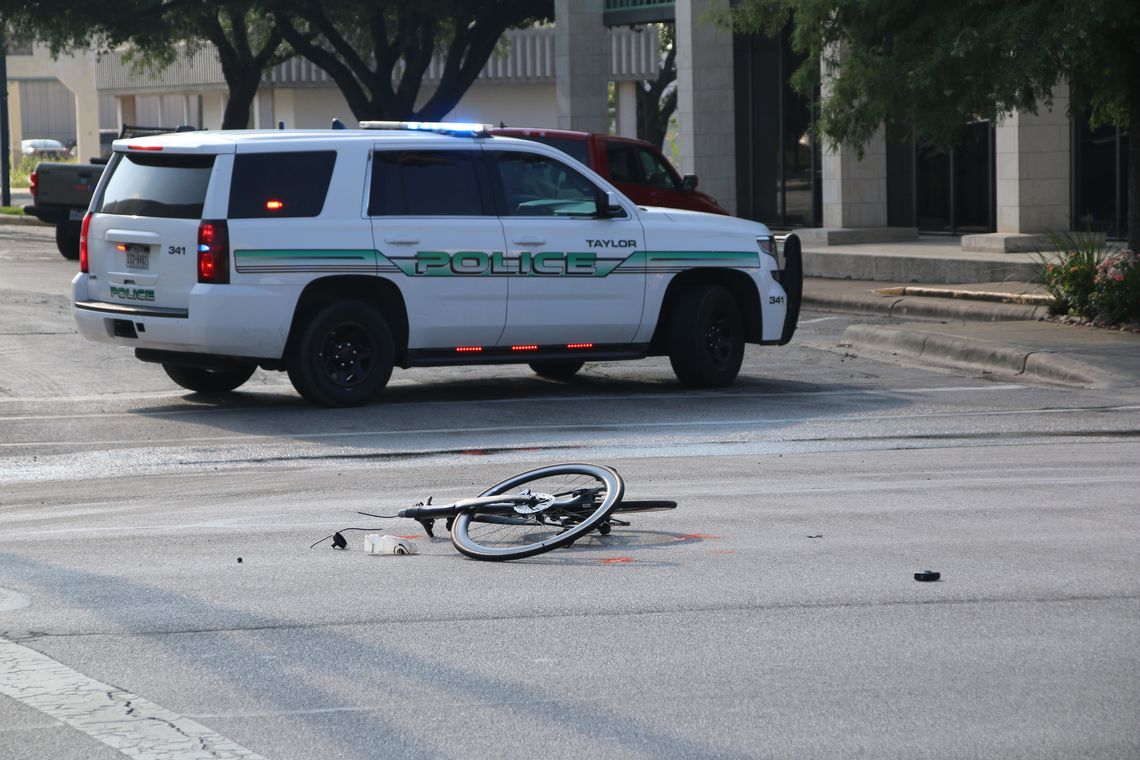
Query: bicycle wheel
x: 573, y: 499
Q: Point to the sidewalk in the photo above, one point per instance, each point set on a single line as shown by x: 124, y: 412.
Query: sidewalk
x: 989, y: 323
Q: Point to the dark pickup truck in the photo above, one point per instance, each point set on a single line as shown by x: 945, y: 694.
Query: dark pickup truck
x: 61, y: 191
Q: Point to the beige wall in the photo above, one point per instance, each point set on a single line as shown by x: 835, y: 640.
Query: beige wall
x: 77, y: 74
x: 1032, y: 152
x: 523, y: 105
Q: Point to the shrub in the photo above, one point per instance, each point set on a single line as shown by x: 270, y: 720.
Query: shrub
x: 1071, y: 279
x: 22, y: 170
x: 1116, y: 297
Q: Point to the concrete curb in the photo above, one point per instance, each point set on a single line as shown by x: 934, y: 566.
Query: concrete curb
x: 22, y: 221
x: 918, y: 306
x: 979, y: 354
x: 925, y: 269
x: 990, y: 296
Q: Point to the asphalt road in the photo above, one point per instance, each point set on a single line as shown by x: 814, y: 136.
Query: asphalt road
x: 773, y: 614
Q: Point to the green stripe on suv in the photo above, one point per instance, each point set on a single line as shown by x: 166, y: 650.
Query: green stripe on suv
x: 485, y: 263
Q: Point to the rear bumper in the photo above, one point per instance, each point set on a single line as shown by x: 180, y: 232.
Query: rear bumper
x: 50, y: 214
x: 221, y: 320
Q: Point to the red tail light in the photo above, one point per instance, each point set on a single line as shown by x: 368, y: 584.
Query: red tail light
x: 213, y: 252
x: 84, y: 265
x: 34, y: 185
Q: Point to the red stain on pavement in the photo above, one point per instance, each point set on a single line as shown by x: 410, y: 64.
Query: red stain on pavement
x: 616, y: 560
x: 410, y: 538
x: 693, y: 537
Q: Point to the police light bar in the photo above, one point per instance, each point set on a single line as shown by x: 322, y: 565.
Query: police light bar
x: 458, y: 129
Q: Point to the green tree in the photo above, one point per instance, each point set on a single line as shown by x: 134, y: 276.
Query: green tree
x: 936, y: 66
x: 378, y: 53
x: 657, y: 98
x: 246, y: 39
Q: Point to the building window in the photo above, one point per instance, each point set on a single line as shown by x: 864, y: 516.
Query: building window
x: 780, y: 179
x: 1100, y: 186
x: 951, y: 191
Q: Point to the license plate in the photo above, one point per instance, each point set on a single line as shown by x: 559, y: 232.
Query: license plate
x: 76, y: 214
x: 138, y: 257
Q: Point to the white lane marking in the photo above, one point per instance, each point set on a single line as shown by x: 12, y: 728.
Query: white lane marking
x: 817, y: 319
x: 10, y: 600
x: 513, y: 400
x: 754, y: 421
x: 133, y: 726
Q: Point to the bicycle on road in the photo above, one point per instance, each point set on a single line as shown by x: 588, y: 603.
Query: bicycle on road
x: 533, y: 512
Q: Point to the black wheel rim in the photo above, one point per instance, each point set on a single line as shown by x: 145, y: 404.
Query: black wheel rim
x: 720, y: 339
x: 347, y: 355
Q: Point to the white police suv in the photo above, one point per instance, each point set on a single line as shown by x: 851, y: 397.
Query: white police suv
x: 335, y: 255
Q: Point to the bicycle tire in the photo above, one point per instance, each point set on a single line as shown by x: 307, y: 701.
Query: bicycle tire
x: 645, y: 505
x: 494, y: 534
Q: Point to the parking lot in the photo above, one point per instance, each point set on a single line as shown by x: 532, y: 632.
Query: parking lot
x: 155, y: 560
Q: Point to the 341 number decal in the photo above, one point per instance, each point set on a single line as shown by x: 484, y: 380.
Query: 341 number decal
x: 176, y: 250
x: 775, y: 299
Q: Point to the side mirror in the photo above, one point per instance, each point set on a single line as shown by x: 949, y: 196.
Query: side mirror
x: 608, y: 206
x: 689, y: 182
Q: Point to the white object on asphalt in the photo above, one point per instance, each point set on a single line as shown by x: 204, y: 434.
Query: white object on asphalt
x: 374, y: 543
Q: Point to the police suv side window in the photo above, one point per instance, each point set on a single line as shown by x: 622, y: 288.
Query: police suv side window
x: 426, y: 183
x: 536, y: 185
x: 286, y: 184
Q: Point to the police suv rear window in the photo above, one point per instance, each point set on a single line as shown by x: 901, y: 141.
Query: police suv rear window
x: 169, y: 186
x: 287, y: 184
x: 426, y: 183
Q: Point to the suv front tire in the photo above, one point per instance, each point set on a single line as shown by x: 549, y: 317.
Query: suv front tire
x: 706, y: 337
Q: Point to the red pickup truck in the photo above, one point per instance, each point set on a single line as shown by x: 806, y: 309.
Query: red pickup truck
x: 635, y: 167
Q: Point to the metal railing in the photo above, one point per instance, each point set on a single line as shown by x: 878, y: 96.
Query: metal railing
x: 527, y: 57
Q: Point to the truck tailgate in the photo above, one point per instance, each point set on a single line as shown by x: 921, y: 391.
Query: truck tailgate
x: 63, y: 184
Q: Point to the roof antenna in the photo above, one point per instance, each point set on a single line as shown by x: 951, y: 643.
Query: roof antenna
x: 338, y: 124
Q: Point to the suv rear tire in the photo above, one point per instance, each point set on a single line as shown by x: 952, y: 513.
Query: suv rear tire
x: 556, y: 369
x: 201, y: 380
x: 706, y: 337
x: 343, y: 355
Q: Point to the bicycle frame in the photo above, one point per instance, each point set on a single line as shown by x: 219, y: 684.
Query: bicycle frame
x: 508, y: 504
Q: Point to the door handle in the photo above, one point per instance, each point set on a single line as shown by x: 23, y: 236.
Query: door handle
x: 532, y: 240
x: 402, y: 239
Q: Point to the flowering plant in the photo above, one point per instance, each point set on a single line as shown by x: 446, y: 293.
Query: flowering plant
x: 1116, y: 294
x: 1071, y: 278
